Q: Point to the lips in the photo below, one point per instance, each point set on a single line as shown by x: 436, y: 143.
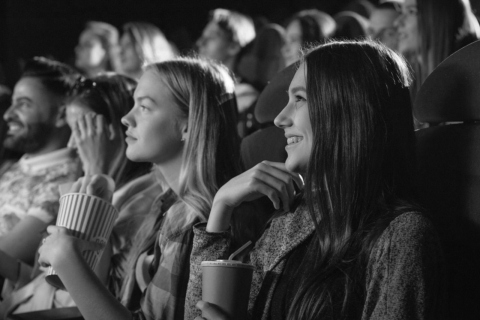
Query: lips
x: 130, y: 136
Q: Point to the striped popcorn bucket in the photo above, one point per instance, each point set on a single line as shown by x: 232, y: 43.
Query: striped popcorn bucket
x: 88, y: 218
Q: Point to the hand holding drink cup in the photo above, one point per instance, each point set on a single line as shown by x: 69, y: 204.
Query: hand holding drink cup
x: 84, y: 223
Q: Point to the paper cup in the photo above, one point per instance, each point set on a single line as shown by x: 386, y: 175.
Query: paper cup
x: 88, y: 218
x: 226, y: 284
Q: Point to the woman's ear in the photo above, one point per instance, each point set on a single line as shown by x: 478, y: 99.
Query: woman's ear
x: 112, y: 133
x: 184, y: 129
x: 61, y: 117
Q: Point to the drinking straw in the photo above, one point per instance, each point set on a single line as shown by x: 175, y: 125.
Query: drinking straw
x: 240, y: 250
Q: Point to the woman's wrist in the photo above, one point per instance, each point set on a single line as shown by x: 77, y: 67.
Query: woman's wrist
x: 64, y: 255
x: 219, y: 219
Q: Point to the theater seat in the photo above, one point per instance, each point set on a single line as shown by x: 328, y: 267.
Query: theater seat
x: 449, y: 171
x: 269, y: 142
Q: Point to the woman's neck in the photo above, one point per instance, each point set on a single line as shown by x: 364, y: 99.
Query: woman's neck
x: 171, y: 173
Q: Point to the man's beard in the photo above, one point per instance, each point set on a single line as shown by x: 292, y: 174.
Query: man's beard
x: 31, y: 140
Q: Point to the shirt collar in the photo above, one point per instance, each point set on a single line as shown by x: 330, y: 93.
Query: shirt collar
x: 44, y: 161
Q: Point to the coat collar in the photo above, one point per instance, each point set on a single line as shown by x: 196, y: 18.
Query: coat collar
x: 285, y: 233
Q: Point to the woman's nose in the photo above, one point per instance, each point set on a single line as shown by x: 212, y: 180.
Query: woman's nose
x: 284, y: 119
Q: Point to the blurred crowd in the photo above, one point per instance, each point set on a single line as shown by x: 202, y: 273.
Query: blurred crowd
x: 217, y: 148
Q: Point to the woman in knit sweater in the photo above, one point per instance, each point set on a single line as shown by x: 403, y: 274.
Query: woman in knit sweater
x: 352, y: 244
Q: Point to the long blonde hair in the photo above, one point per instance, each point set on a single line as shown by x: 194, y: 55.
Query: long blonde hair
x: 204, y: 95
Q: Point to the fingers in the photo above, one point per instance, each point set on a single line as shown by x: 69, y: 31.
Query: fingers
x: 55, y: 229
x: 101, y: 186
x: 76, y: 186
x: 81, y: 128
x: 85, y: 245
x: 88, y: 120
x: 281, y: 166
x: 85, y: 182
x: 100, y: 123
x: 210, y: 311
x: 278, y: 183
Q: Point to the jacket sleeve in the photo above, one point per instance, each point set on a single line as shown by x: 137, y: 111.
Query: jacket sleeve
x: 406, y: 276
x: 206, y: 247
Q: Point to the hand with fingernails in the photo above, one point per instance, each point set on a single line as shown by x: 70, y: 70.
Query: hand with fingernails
x: 267, y: 178
x: 96, y: 142
x: 57, y: 247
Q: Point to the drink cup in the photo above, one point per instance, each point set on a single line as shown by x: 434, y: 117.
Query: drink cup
x: 226, y: 284
x: 88, y: 218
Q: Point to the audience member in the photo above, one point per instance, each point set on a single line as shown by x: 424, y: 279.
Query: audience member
x: 142, y: 44
x: 37, y: 127
x: 7, y: 157
x: 97, y: 49
x: 381, y: 24
x: 350, y: 25
x: 93, y: 111
x: 352, y: 245
x: 431, y: 30
x: 307, y: 27
x: 183, y: 121
x: 222, y: 40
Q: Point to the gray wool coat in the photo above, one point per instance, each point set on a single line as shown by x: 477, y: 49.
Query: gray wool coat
x: 405, y: 274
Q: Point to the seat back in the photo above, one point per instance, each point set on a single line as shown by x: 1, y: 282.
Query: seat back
x: 448, y: 158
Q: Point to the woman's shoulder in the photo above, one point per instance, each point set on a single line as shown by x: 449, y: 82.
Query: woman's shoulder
x: 410, y: 233
x: 409, y: 224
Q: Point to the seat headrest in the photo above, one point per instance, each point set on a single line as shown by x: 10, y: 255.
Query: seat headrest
x: 274, y: 97
x: 452, y: 91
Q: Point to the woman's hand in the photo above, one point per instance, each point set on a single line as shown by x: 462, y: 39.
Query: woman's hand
x: 269, y: 179
x: 210, y: 312
x: 95, y: 142
x: 59, y: 247
x: 99, y: 185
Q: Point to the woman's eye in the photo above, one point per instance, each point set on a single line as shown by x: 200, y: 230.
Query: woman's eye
x: 143, y: 108
x: 299, y: 99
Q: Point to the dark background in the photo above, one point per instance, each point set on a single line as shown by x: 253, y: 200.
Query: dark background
x: 51, y: 27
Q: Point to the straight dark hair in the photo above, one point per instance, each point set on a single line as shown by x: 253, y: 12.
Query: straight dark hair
x: 360, y: 170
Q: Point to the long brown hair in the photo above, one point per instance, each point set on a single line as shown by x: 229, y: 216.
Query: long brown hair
x: 360, y: 170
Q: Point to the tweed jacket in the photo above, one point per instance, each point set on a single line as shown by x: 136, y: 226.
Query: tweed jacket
x: 404, y: 277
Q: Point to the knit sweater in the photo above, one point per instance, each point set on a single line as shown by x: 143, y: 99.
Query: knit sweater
x: 404, y: 277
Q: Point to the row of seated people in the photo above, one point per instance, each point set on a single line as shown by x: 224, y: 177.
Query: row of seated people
x: 256, y: 50
x: 350, y: 228
x: 195, y: 205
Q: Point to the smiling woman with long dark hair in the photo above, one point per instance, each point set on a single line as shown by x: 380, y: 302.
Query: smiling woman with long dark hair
x: 353, y: 245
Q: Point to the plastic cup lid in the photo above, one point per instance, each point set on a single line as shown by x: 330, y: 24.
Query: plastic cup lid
x: 226, y: 263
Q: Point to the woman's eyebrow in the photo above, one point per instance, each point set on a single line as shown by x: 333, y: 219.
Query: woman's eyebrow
x: 298, y: 88
x: 145, y: 98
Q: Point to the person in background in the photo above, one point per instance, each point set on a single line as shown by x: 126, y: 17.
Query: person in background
x: 7, y: 156
x: 97, y: 49
x: 351, y: 244
x: 223, y: 40
x: 381, y: 26
x: 38, y: 128
x: 142, y: 44
x: 93, y: 112
x: 431, y: 30
x: 183, y: 121
x: 307, y: 27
